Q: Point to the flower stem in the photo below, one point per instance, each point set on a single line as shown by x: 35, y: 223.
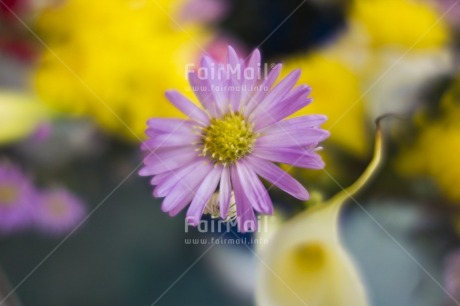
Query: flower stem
x: 368, y: 174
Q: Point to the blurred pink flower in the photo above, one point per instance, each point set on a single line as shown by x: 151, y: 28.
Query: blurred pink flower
x: 205, y: 11
x: 18, y: 199
x: 42, y: 132
x: 452, y: 10
x: 14, y: 38
x: 10, y: 8
x: 59, y: 211
x: 217, y: 48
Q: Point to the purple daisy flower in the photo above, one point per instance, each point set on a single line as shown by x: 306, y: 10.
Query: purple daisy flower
x: 235, y: 138
x: 17, y: 199
x: 59, y: 211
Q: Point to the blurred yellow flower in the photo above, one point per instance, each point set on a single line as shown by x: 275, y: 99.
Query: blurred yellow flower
x: 20, y: 114
x: 336, y: 93
x: 307, y: 265
x: 113, y: 60
x: 434, y: 151
x: 305, y: 262
x: 404, y: 23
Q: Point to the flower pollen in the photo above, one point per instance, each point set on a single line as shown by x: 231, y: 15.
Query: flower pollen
x: 228, y: 139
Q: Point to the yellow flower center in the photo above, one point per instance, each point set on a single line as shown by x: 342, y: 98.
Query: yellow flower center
x: 228, y: 139
x: 310, y: 257
x: 8, y: 195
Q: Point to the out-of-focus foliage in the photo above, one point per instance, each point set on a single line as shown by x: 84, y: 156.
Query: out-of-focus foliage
x: 113, y: 60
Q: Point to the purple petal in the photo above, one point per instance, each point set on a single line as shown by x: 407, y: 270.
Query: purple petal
x: 302, y: 122
x: 170, y: 155
x: 264, y: 88
x: 254, y: 61
x: 203, y: 92
x: 203, y: 195
x: 184, y: 190
x: 225, y: 192
x: 160, y: 177
x: 160, y: 141
x: 278, y: 177
x: 254, y: 189
x: 176, y: 201
x: 293, y: 137
x: 305, y: 158
x: 299, y: 91
x: 187, y: 107
x: 233, y: 95
x: 277, y: 93
x: 184, y: 130
x: 284, y: 108
x: 168, y: 183
x: 166, y: 160
x: 244, y: 211
x: 215, y: 83
x: 232, y: 57
x: 253, y: 67
x: 166, y: 125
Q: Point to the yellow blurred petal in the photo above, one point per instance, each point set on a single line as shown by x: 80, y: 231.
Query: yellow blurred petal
x: 19, y: 116
x: 404, y: 23
x: 336, y: 93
